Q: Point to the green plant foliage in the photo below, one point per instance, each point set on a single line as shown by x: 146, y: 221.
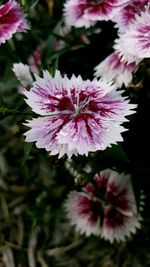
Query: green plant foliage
x: 34, y: 230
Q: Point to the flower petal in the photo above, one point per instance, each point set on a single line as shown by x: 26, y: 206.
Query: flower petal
x: 44, y: 131
x: 84, y: 213
x: 114, y: 69
x: 117, y: 226
x: 23, y: 74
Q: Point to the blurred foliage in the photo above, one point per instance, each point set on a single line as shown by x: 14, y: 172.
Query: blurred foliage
x: 33, y: 185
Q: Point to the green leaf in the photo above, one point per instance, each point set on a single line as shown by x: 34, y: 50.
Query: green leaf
x: 30, y: 3
x: 27, y: 150
x: 33, y: 3
x: 4, y: 110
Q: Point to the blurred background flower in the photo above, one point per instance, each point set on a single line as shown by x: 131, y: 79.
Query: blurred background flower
x: 106, y: 208
x: 12, y: 20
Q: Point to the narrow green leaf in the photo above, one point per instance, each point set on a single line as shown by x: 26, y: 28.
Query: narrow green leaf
x: 27, y: 150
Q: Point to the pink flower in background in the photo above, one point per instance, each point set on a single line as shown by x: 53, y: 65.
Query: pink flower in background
x: 84, y: 13
x: 128, y: 13
x: 135, y: 42
x: 78, y: 116
x: 34, y: 60
x: 114, y: 69
x: 25, y: 73
x: 12, y: 20
x: 65, y: 32
x: 107, y: 209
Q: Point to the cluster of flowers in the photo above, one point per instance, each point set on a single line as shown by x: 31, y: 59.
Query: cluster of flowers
x: 107, y: 206
x: 80, y: 116
x: 132, y: 18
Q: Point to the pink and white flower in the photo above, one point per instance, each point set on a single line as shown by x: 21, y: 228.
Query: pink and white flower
x: 78, y: 116
x: 84, y: 13
x: 126, y: 15
x: 136, y: 41
x: 34, y: 60
x: 12, y: 20
x: 114, y: 69
x: 107, y: 209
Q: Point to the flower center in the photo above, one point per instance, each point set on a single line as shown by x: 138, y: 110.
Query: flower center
x: 81, y: 105
x: 74, y: 104
x: 95, y: 2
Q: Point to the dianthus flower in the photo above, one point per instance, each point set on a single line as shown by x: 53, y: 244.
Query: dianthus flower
x: 78, y: 116
x: 107, y: 209
x: 12, y: 20
x: 136, y: 40
x: 112, y: 68
x: 84, y: 13
x: 126, y: 15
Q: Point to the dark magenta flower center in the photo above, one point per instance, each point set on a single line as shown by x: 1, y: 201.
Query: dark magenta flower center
x: 95, y: 2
